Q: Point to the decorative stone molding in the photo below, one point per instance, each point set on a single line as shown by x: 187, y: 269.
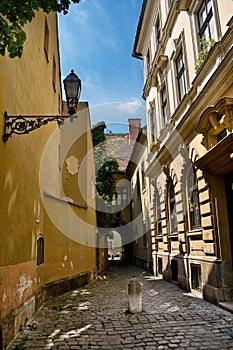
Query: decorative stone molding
x: 214, y: 120
x: 152, y: 104
x: 173, y: 176
x: 166, y: 169
x: 158, y: 65
x: 183, y: 5
x: 155, y: 146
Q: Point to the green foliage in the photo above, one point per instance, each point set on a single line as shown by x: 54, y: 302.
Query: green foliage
x: 206, y: 45
x: 106, y: 168
x: 14, y: 14
x: 98, y: 135
x: 105, y: 182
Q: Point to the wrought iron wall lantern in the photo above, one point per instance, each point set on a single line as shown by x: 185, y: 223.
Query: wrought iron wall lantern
x: 24, y: 124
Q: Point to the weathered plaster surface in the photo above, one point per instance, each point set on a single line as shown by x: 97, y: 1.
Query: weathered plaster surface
x: 72, y: 165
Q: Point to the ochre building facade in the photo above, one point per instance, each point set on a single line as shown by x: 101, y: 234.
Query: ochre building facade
x: 48, y: 225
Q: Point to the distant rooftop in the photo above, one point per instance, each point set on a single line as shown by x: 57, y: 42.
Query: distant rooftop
x: 121, y: 145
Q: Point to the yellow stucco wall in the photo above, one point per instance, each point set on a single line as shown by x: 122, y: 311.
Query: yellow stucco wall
x: 72, y: 222
x: 27, y: 87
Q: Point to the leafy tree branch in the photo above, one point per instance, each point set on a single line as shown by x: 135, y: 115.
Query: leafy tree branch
x: 14, y: 14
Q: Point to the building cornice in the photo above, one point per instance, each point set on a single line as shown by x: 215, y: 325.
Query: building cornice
x: 142, y: 28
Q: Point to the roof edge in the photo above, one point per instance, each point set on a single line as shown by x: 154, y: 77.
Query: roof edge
x: 136, y: 54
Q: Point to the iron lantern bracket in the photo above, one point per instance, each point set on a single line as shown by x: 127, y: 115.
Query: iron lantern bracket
x: 21, y: 125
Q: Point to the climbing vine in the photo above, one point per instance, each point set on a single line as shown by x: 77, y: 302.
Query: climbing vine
x: 106, y: 167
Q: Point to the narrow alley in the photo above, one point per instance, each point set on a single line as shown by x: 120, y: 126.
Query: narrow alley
x: 96, y: 317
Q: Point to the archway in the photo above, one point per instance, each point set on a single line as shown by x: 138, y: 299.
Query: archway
x: 115, y: 249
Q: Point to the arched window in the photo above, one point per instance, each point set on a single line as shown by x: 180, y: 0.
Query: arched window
x: 40, y: 251
x: 158, y: 222
x: 172, y: 208
x: 193, y: 200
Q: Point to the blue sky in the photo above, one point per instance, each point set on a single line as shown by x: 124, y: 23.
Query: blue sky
x: 96, y: 40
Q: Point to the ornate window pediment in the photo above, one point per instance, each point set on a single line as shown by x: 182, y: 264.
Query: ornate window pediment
x: 158, y: 65
x: 216, y: 122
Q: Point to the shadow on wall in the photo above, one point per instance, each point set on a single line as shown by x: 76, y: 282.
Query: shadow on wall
x: 210, y: 280
x: 176, y: 270
x: 217, y: 281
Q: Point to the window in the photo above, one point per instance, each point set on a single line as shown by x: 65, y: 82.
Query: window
x: 221, y: 135
x: 158, y: 221
x: 121, y: 197
x: 207, y: 31
x: 180, y: 75
x: 54, y: 74
x: 206, y: 21
x: 144, y: 240
x: 164, y: 105
x: 174, y: 270
x: 158, y: 31
x: 138, y: 185
x: 152, y: 124
x: 59, y: 103
x: 170, y: 3
x: 148, y: 62
x: 143, y: 176
x: 40, y: 251
x: 46, y: 40
x: 196, y: 277
x: 193, y: 200
x: 172, y: 208
x: 160, y: 266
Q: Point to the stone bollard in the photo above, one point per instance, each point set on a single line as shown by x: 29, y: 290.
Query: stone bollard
x: 134, y: 296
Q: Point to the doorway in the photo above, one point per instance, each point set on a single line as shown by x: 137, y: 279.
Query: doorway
x: 229, y: 195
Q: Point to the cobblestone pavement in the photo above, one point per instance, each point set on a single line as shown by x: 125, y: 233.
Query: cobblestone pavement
x: 96, y: 317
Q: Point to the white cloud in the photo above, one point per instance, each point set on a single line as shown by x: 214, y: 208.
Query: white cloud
x: 82, y: 16
x: 98, y: 6
x: 79, y: 16
x: 87, y: 20
x: 95, y: 43
x: 116, y: 114
x: 130, y: 107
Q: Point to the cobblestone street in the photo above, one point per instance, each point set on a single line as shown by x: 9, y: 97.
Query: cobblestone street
x: 96, y: 317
